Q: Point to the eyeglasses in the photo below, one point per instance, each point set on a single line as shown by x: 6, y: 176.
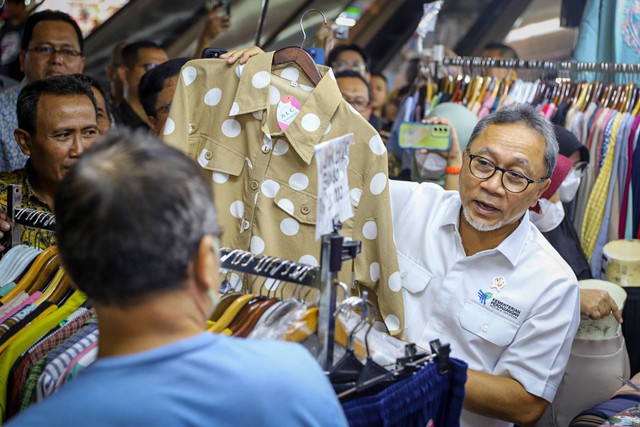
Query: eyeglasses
x: 166, y: 106
x: 513, y: 181
x: 580, y: 167
x: 49, y: 51
x: 357, y: 103
x: 343, y: 66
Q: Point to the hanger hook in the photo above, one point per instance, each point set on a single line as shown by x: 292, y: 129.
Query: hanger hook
x: 304, y: 34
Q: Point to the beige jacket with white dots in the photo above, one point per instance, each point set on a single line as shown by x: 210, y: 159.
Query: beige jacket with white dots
x: 265, y: 179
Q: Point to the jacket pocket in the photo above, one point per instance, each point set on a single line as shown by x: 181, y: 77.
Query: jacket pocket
x: 217, y: 157
x: 301, y: 206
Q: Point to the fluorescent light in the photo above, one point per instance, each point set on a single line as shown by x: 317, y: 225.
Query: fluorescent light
x: 346, y: 22
x: 532, y: 30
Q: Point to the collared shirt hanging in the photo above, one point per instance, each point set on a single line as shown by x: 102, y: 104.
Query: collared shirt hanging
x: 252, y: 128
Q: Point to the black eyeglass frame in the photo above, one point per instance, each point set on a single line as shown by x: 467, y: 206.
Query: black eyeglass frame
x: 503, y: 170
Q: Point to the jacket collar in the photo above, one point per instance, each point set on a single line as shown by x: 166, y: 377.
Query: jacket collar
x: 307, y: 129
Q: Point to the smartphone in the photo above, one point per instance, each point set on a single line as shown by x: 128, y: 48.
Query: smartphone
x: 212, y: 4
x: 210, y: 52
x: 430, y: 136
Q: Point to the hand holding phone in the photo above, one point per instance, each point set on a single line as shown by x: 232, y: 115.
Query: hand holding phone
x: 429, y: 136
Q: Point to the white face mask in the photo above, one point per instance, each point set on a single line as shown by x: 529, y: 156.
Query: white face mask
x: 569, y: 186
x: 551, y: 216
x: 431, y: 165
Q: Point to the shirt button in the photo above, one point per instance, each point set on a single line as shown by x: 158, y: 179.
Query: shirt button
x: 208, y: 155
x: 305, y: 209
x: 485, y: 328
x: 245, y: 225
x: 266, y: 148
x: 254, y: 185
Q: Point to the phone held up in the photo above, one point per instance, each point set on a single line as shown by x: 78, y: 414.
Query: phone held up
x: 213, y: 4
x: 429, y: 136
x: 210, y: 52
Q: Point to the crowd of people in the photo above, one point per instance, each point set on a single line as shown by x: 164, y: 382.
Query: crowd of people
x: 77, y: 149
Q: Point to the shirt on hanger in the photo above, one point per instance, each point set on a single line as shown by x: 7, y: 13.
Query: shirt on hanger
x: 231, y: 120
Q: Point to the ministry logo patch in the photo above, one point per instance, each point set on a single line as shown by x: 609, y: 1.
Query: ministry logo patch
x: 498, y: 305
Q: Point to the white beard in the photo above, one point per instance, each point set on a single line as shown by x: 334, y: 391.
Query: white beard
x: 478, y: 225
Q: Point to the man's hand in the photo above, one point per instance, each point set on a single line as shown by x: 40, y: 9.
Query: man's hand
x: 5, y: 226
x: 597, y: 304
x: 214, y: 25
x: 454, y: 155
x: 242, y: 56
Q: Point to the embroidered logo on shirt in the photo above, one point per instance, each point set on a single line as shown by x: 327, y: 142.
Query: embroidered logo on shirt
x: 484, y: 296
x: 505, y: 308
x: 498, y: 305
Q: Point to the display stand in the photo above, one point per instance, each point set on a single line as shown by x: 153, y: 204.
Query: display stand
x: 334, y: 250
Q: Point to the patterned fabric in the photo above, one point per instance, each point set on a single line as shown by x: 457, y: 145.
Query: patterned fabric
x: 64, y: 354
x: 22, y: 385
x: 33, y: 237
x: 11, y: 156
x: 265, y: 178
x: 629, y: 417
x: 597, y: 199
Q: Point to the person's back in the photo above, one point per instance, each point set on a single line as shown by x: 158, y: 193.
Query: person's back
x: 137, y: 232
x: 206, y: 380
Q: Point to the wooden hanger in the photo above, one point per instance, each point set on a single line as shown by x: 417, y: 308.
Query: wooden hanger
x: 32, y: 273
x: 230, y: 313
x: 298, y: 55
x: 301, y: 58
x: 303, y: 327
x: 636, y: 102
x: 57, y: 281
x: 252, y: 318
x: 244, y: 313
x: 630, y: 92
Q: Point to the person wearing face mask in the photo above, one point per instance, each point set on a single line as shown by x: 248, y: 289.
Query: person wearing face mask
x: 552, y: 220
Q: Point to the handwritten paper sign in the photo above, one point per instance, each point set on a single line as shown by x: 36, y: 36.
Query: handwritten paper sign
x: 334, y: 202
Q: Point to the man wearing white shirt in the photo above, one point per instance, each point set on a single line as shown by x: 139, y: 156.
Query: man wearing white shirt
x: 478, y: 275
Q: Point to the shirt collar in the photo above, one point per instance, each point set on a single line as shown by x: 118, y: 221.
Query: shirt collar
x: 511, y: 247
x: 253, y: 96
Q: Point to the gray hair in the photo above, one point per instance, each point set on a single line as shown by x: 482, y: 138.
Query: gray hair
x: 523, y: 113
x: 130, y: 216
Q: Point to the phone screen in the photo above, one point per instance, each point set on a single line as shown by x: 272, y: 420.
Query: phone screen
x: 435, y: 137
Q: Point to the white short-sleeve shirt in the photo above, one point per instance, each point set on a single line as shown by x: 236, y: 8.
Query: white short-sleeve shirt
x: 510, y: 311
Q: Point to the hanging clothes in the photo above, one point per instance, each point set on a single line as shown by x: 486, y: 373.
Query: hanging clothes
x: 231, y: 120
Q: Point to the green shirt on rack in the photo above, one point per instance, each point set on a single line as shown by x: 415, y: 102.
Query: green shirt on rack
x: 35, y: 237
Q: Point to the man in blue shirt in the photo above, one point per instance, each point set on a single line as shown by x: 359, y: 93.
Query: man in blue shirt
x: 138, y: 233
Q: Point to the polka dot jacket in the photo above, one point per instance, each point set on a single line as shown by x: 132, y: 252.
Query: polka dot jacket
x: 253, y: 129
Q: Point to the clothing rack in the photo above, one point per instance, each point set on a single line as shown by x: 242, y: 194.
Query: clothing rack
x: 601, y: 67
x: 25, y: 216
x: 334, y: 251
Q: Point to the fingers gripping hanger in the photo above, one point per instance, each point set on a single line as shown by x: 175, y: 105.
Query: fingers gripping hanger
x: 299, y: 56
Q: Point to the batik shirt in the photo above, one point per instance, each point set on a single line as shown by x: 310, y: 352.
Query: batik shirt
x: 34, y: 237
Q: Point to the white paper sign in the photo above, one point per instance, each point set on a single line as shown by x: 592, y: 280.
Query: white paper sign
x: 334, y: 202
